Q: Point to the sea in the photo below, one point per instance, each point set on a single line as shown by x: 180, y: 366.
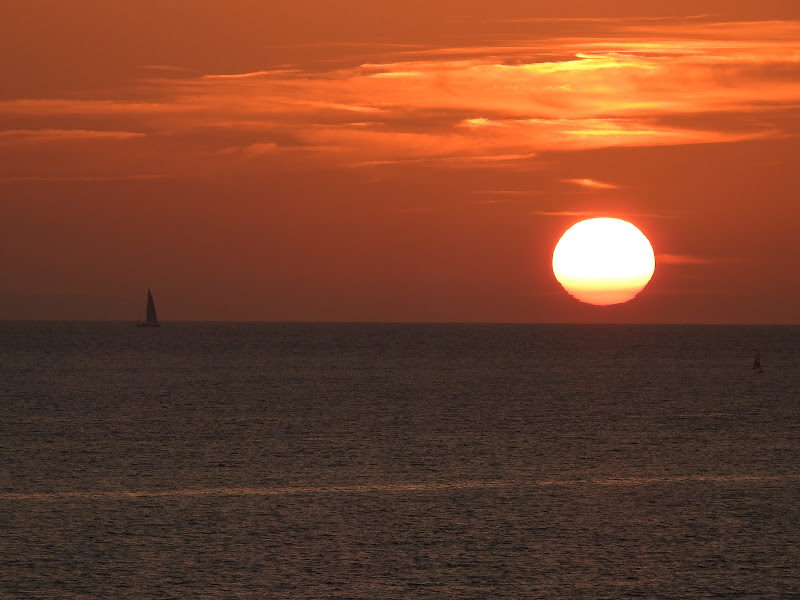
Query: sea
x: 398, y: 461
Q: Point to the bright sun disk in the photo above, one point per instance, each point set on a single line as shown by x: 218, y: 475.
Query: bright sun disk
x: 603, y: 261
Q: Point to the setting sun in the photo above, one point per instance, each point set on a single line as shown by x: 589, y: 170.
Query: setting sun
x: 603, y: 261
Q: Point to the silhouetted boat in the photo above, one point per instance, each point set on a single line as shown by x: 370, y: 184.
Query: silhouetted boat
x: 757, y: 363
x: 150, y: 319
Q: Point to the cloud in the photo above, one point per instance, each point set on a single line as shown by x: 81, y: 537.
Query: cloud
x: 396, y: 74
x: 592, y: 183
x: 509, y: 192
x: 649, y: 82
x: 468, y: 161
x: 60, y: 107
x: 98, y: 178
x: 13, y: 136
x: 248, y: 75
x: 566, y: 213
x: 590, y: 214
x: 479, y: 122
x: 252, y: 150
x: 682, y: 259
x: 166, y: 68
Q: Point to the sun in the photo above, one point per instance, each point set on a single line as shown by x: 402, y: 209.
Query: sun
x: 603, y: 261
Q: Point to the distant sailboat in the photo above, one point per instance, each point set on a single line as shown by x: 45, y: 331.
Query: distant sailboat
x: 757, y: 363
x: 150, y: 319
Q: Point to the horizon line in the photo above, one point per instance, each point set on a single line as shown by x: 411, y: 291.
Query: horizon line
x: 323, y: 322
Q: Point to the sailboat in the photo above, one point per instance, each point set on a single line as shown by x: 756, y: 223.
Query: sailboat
x: 757, y: 363
x: 150, y: 319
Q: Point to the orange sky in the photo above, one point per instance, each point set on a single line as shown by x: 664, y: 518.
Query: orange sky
x: 394, y: 161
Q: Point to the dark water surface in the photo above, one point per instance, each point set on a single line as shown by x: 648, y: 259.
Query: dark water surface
x: 371, y: 461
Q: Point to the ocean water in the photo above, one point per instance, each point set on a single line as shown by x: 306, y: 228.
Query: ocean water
x: 372, y: 461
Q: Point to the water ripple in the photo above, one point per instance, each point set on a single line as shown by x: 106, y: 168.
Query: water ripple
x: 384, y: 488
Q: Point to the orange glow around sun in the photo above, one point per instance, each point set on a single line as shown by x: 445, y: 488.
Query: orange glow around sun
x: 603, y: 261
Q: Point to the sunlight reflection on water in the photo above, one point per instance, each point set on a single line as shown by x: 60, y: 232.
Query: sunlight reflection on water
x: 389, y: 488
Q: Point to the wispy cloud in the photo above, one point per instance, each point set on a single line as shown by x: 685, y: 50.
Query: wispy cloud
x: 89, y: 178
x: 252, y: 150
x: 166, y: 68
x: 593, y: 184
x: 11, y: 136
x: 622, y: 84
x: 48, y: 108
x: 682, y: 259
x: 465, y: 161
x: 508, y: 192
x: 589, y: 214
x: 248, y: 75
x: 566, y: 213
